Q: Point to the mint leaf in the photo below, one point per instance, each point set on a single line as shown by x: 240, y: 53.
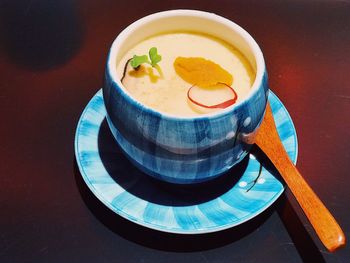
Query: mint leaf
x: 154, y: 56
x: 136, y: 61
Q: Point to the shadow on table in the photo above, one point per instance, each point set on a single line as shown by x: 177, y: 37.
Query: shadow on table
x: 303, y: 242
x: 136, y: 182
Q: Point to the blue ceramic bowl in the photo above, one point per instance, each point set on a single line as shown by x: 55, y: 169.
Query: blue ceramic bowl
x: 184, y: 150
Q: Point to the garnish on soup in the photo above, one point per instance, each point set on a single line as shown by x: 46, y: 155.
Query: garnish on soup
x: 136, y: 60
x: 205, y: 75
x: 201, y: 72
x: 198, y: 94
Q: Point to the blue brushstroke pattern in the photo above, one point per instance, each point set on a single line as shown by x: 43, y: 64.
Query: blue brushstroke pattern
x: 231, y: 208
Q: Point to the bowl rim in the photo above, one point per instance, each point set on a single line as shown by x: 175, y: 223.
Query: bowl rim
x: 258, y: 56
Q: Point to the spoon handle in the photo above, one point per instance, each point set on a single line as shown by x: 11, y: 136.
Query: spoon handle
x: 320, y: 218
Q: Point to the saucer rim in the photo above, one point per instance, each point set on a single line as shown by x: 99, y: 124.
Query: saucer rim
x: 162, y: 228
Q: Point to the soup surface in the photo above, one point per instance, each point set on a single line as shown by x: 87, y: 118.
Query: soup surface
x: 216, y: 71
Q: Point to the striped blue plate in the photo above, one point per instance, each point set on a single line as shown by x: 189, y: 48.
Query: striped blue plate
x: 241, y: 194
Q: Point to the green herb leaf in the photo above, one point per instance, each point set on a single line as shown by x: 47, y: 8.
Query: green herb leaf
x: 154, y: 56
x: 136, y: 61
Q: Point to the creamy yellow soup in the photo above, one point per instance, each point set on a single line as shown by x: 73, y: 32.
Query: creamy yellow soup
x: 165, y: 91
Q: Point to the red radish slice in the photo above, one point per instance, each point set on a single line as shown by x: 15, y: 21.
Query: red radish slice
x: 221, y: 105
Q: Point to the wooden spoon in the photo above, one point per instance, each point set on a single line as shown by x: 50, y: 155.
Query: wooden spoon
x: 320, y: 218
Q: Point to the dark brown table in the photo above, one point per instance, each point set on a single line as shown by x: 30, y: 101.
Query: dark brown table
x: 52, y: 56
